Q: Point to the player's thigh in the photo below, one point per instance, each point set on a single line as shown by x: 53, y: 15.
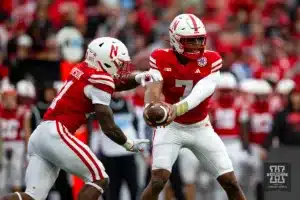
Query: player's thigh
x: 189, y: 166
x: 74, y: 156
x: 166, y: 146
x: 40, y: 177
x: 211, y: 151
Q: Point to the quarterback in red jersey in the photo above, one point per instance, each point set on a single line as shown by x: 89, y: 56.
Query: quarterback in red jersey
x: 188, y: 75
x: 14, y: 130
x: 88, y: 88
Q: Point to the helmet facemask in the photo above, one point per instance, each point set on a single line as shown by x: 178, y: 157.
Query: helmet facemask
x: 124, y: 68
x: 193, y: 46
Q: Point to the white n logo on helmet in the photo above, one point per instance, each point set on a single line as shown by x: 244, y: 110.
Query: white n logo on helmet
x: 113, y: 51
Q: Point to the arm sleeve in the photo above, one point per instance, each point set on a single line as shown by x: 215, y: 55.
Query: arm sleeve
x: 203, y: 89
x: 97, y: 96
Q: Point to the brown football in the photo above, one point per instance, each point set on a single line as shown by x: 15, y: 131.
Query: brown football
x: 157, y: 114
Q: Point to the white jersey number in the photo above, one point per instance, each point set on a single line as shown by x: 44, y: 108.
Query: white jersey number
x: 62, y: 91
x: 188, y: 86
x: 9, y: 128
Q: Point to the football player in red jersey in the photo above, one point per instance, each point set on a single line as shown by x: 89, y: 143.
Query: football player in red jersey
x: 188, y: 76
x: 280, y: 98
x: 88, y: 88
x: 257, y: 124
x: 14, y: 131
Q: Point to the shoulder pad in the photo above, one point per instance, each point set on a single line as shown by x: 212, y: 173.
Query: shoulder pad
x: 215, y: 59
x: 102, y: 81
x: 156, y: 56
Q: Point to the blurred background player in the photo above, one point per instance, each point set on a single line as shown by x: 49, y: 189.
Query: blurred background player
x: 257, y: 123
x: 183, y: 71
x: 286, y: 126
x: 120, y: 164
x: 26, y: 92
x: 282, y: 90
x: 226, y: 117
x: 15, y: 131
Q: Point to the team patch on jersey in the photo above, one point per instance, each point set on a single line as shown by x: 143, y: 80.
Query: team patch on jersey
x: 202, y: 61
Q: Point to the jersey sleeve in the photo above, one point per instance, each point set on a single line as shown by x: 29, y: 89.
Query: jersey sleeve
x: 216, y: 61
x: 97, y: 96
x: 100, y: 88
x: 102, y: 82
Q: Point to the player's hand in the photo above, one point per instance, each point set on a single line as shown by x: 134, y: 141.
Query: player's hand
x: 145, y: 78
x: 171, y: 113
x: 135, y: 145
x: 146, y: 118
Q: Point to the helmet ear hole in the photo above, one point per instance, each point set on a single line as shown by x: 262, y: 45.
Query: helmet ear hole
x: 107, y: 65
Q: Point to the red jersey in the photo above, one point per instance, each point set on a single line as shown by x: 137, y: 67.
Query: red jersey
x: 261, y: 121
x: 179, y: 79
x: 226, y: 119
x: 12, y: 123
x: 75, y: 99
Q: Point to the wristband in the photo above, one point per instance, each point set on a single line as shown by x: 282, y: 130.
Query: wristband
x: 128, y: 144
x: 181, y: 108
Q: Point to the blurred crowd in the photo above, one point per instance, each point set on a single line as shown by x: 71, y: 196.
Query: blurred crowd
x: 257, y: 39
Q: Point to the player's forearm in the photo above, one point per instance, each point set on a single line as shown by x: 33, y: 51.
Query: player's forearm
x: 129, y: 84
x: 153, y: 92
x: 202, y: 90
x: 108, y: 126
x: 115, y: 134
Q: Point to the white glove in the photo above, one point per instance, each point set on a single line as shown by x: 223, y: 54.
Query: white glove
x: 135, y: 145
x: 146, y: 77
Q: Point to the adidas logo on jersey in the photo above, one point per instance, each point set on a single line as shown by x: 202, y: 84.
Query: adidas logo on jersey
x: 197, y: 71
x: 167, y: 69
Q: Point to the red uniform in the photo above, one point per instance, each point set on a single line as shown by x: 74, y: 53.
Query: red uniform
x: 179, y: 79
x: 72, y: 104
x: 226, y: 119
x: 261, y: 120
x: 12, y: 123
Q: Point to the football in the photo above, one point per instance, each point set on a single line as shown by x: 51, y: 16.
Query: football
x: 157, y: 114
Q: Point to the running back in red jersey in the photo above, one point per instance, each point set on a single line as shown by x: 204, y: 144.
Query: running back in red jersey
x: 180, y: 79
x: 74, y: 100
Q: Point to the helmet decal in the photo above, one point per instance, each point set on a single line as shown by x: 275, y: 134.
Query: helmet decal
x: 194, y: 23
x: 113, y: 51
